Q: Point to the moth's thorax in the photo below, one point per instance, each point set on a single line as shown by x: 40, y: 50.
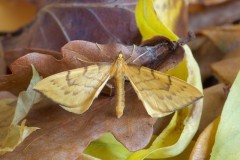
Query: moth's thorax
x: 120, y: 63
x: 120, y: 56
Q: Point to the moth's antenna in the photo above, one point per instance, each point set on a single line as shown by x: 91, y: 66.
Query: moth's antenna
x: 139, y: 56
x: 133, y: 50
x: 104, y: 53
x: 87, y: 61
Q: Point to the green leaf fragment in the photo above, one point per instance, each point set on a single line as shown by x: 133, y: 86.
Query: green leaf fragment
x: 227, y: 140
x: 11, y: 133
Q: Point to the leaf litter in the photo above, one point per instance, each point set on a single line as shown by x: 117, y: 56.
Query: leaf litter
x: 210, y: 44
x: 13, y: 111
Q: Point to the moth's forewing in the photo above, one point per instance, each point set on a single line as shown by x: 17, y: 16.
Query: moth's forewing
x: 161, y: 94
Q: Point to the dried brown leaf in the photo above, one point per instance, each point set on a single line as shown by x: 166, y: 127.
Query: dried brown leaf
x: 216, y: 15
x: 11, y: 56
x: 232, y: 54
x: 65, y: 135
x: 6, y: 94
x: 2, y: 62
x: 208, y: 2
x: 213, y: 45
x: 205, y: 142
x: 214, y: 98
x: 225, y: 38
x: 205, y: 53
x: 226, y: 70
x: 60, y: 21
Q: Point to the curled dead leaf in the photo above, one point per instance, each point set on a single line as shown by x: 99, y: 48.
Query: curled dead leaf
x: 213, y: 45
x: 226, y: 70
x: 205, y: 142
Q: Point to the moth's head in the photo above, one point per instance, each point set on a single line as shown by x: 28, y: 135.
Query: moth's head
x: 120, y: 55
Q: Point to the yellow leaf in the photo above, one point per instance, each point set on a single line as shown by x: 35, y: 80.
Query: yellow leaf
x: 86, y: 157
x: 184, y: 124
x: 173, y: 14
x: 149, y: 24
x: 12, y: 134
x: 107, y: 147
x: 227, y: 138
x: 27, y: 98
x: 185, y: 154
x: 205, y: 141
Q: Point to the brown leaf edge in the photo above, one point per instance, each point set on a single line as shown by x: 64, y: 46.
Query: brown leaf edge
x: 161, y: 56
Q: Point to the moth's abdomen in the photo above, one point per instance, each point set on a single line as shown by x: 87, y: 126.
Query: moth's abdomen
x: 119, y: 81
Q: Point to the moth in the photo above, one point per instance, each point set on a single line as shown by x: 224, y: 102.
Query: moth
x: 161, y: 94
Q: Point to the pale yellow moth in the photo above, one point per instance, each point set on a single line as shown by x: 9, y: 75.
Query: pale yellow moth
x: 161, y: 94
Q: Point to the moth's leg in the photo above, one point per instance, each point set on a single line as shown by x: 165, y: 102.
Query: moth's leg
x: 133, y: 50
x: 109, y: 89
x: 126, y: 79
x: 83, y: 60
x: 105, y: 53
